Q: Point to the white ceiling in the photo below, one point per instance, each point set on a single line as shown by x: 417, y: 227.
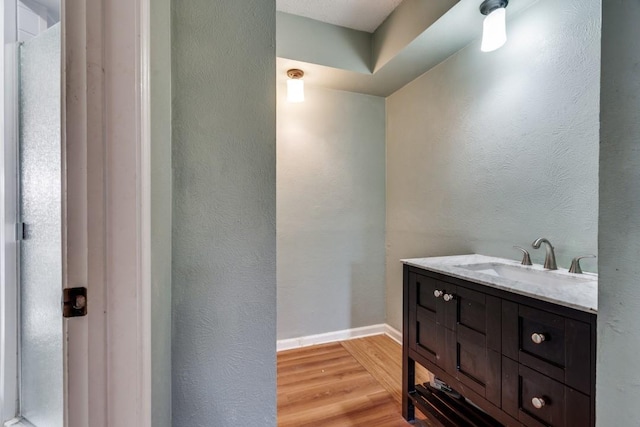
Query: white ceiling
x: 363, y: 15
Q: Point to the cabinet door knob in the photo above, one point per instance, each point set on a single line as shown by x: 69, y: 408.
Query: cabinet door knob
x: 538, y: 338
x: 448, y: 297
x: 437, y: 293
x: 538, y: 402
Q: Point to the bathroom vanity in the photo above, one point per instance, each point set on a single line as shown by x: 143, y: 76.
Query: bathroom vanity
x: 517, y: 342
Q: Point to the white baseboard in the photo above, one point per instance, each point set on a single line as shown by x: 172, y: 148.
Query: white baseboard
x: 393, y: 333
x: 346, y: 334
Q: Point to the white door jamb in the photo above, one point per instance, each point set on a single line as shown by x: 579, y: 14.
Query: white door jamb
x: 106, y: 210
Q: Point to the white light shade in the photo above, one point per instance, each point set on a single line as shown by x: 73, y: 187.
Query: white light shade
x: 494, y: 31
x: 295, y: 90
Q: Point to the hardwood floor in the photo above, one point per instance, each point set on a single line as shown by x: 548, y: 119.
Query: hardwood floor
x: 350, y: 383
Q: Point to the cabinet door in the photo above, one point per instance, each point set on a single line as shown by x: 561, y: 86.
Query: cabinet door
x: 426, y: 317
x: 475, y: 343
x: 427, y: 337
x: 426, y: 294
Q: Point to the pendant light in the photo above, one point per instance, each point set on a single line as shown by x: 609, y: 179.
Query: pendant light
x: 295, y: 85
x: 494, y: 28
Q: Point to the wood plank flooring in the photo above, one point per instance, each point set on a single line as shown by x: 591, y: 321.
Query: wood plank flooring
x: 346, y: 384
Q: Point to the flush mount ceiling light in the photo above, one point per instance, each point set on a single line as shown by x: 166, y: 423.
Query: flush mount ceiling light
x: 295, y: 85
x: 494, y: 28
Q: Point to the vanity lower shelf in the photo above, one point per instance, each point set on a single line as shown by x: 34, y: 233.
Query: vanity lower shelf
x: 447, y: 411
x: 523, y: 361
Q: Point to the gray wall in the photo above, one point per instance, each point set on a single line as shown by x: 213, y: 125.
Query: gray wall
x: 410, y: 19
x: 224, y: 240
x: 307, y: 40
x: 619, y: 269
x: 330, y: 212
x: 160, y: 80
x: 486, y: 151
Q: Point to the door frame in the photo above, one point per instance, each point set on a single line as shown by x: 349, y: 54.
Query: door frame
x: 106, y: 210
x: 9, y: 363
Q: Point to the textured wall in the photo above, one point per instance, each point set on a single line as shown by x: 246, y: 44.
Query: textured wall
x: 160, y: 81
x: 224, y: 240
x: 618, y: 382
x: 330, y: 212
x: 486, y: 151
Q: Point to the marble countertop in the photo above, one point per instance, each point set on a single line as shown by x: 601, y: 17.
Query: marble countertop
x: 578, y: 291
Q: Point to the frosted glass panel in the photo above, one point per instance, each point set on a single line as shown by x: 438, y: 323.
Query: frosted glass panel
x: 41, y: 374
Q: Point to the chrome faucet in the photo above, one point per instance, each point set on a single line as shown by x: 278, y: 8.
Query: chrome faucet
x: 575, y: 264
x: 550, y: 258
x: 526, y: 259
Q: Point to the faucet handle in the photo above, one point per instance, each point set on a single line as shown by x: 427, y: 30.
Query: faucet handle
x: 575, y: 264
x: 526, y: 259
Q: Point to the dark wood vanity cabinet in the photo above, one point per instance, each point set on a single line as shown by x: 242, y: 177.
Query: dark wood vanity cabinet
x: 524, y: 362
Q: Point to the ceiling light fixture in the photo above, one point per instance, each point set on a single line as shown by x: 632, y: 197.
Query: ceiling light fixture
x: 295, y: 85
x: 494, y: 28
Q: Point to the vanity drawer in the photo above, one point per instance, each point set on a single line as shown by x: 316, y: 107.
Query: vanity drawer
x: 557, y: 346
x: 539, y: 401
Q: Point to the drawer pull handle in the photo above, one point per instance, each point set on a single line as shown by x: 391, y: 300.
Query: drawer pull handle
x: 448, y: 297
x: 438, y: 293
x: 538, y: 402
x: 538, y: 338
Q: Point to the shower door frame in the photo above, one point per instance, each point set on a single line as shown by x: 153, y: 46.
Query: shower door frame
x: 9, y: 364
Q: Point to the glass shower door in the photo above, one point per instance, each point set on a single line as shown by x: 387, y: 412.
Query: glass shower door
x: 41, y: 323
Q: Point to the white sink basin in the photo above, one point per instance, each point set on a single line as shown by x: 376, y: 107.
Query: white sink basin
x: 526, y: 274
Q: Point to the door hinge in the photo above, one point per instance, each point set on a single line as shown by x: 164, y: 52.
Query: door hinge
x: 74, y: 302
